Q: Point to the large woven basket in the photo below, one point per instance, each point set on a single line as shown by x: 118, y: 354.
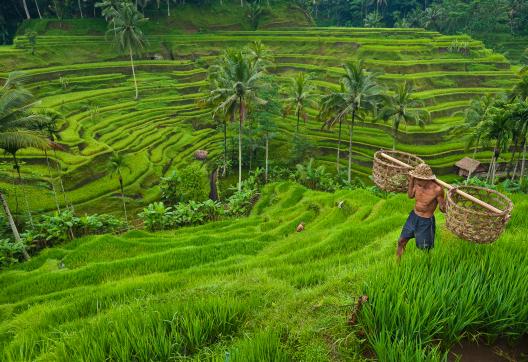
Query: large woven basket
x: 389, y: 176
x: 473, y: 222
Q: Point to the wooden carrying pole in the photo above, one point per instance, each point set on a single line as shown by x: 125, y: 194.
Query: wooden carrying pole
x: 448, y: 186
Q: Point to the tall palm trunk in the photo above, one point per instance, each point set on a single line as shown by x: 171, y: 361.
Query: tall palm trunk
x: 523, y: 162
x: 241, y: 118
x: 267, y: 160
x: 51, y: 181
x: 338, y: 163
x: 133, y: 71
x: 59, y: 170
x: 351, y: 132
x: 123, y: 199
x: 17, y: 167
x: 298, y: 118
x: 168, y: 7
x: 38, y: 9
x: 80, y: 8
x: 12, y: 224
x: 395, y: 132
x: 225, y: 149
x: 26, y: 10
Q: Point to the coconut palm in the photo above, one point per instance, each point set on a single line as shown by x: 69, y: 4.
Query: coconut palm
x: 300, y: 94
x: 474, y: 115
x: 129, y: 36
x: 17, y: 120
x: 520, y: 90
x: 401, y: 107
x: 331, y: 114
x: 108, y: 11
x: 235, y: 82
x: 495, y: 129
x: 116, y: 165
x: 258, y: 52
x: 359, y: 93
x: 517, y: 112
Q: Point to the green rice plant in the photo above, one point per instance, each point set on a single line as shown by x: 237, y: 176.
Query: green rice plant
x: 433, y: 300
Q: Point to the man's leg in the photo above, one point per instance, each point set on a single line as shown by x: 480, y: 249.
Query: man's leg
x: 402, y: 243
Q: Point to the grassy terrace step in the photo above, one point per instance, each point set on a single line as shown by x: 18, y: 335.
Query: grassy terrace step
x: 298, y: 286
x: 165, y: 126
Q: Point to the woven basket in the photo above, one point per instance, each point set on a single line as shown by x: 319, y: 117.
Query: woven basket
x: 389, y: 176
x: 473, y: 222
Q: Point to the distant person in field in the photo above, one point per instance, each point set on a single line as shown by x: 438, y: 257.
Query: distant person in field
x: 421, y: 222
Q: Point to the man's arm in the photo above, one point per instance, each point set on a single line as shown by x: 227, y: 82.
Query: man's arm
x: 441, y: 200
x: 410, y: 190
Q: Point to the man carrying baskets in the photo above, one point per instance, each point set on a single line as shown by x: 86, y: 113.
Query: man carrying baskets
x: 421, y: 221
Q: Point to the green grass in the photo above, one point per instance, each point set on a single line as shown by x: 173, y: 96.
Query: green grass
x: 257, y: 290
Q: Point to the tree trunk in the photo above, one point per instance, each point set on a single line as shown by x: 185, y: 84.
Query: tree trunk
x: 338, y: 163
x: 351, y: 132
x: 241, y: 118
x: 123, y: 199
x: 225, y: 149
x: 59, y: 170
x: 17, y: 167
x: 12, y: 224
x: 51, y: 181
x: 297, y: 122
x: 168, y: 7
x: 80, y: 8
x: 266, y: 170
x: 26, y: 10
x: 133, y: 71
x: 213, y: 193
x: 38, y: 9
x: 523, y: 162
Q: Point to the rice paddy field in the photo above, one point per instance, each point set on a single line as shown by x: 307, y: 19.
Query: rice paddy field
x: 77, y: 72
x: 253, y: 289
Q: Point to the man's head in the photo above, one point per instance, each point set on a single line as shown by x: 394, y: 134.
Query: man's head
x: 422, y: 174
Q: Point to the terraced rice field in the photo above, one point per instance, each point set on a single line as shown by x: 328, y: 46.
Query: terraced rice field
x: 90, y: 84
x: 253, y: 289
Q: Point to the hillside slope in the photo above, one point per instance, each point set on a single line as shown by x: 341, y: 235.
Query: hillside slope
x: 252, y: 287
x: 86, y: 80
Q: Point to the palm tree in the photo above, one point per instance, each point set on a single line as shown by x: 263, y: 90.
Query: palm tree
x: 235, y: 82
x: 399, y: 107
x: 359, y: 92
x: 258, y: 52
x: 331, y: 114
x: 108, y: 11
x: 17, y: 119
x: 474, y: 115
x: 115, y: 166
x: 129, y: 36
x: 301, y: 93
x: 520, y: 90
x: 517, y: 112
x: 497, y: 129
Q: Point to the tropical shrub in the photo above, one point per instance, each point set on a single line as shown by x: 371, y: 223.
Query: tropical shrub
x: 314, y: 178
x: 10, y: 252
x: 156, y: 216
x: 184, y: 185
x: 63, y: 226
x: 241, y: 202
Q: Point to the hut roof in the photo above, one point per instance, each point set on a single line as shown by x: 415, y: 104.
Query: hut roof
x: 468, y: 164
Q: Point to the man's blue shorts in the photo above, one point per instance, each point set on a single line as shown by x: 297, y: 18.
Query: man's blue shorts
x: 421, y: 228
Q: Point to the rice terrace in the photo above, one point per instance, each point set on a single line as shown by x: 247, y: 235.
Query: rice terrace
x: 264, y: 180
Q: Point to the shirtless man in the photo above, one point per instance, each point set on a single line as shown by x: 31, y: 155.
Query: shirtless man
x: 421, y: 222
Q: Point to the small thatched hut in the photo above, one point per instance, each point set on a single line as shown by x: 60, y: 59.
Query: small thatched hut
x: 468, y: 167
